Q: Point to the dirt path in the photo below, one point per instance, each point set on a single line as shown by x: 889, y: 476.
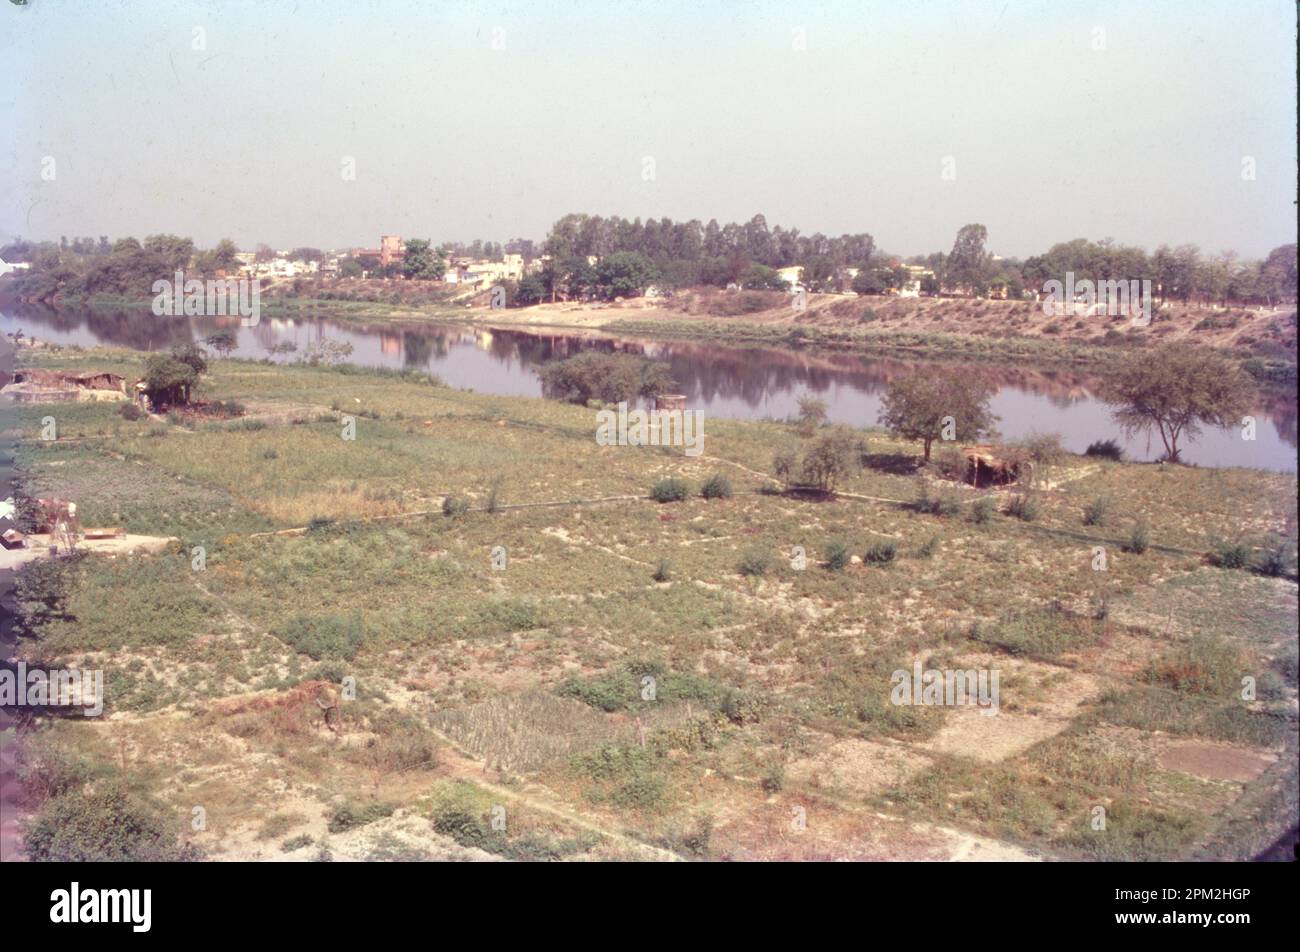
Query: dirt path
x: 458, y: 764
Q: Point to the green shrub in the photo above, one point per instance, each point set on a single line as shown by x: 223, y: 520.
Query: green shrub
x: 610, y: 378
x: 716, y: 486
x: 879, y: 553
x: 1094, y: 514
x: 323, y: 636
x: 1106, y: 449
x: 1044, y: 449
x: 1139, y: 539
x: 670, y: 490
x: 982, y: 509
x: 663, y: 571
x: 754, y: 562
x: 1230, y: 555
x: 837, y: 555
x: 454, y: 506
x: 1024, y: 506
x: 131, y: 411
x: 296, y: 843
x: 350, y: 815
x: 109, y: 824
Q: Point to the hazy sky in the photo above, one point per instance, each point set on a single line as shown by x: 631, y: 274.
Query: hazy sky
x: 1142, y: 141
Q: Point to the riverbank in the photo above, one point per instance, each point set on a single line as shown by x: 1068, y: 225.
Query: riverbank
x: 518, y: 675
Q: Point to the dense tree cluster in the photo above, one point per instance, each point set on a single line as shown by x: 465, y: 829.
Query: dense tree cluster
x: 694, y: 253
x: 127, y: 267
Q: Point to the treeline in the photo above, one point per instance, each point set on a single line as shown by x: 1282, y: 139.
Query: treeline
x: 588, y: 256
x: 1182, y: 274
x: 685, y: 254
x: 126, y: 267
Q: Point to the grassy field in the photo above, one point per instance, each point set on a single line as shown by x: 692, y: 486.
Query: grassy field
x: 621, y: 688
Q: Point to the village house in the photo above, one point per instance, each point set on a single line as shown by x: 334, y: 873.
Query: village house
x: 56, y: 386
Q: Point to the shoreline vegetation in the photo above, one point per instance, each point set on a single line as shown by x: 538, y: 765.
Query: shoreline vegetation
x: 371, y: 559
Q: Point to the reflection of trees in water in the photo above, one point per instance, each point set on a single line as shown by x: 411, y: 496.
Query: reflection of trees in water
x: 136, y: 328
x: 417, y: 350
x: 1280, y: 408
x: 139, y: 329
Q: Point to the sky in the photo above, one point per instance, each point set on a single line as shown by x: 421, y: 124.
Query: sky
x: 1147, y: 121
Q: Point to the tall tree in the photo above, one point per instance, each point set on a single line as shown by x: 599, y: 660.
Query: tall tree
x: 968, y: 262
x: 926, y: 406
x: 1177, y: 388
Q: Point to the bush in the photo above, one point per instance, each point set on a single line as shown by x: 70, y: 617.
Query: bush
x: 131, y: 411
x: 812, y: 414
x: 1044, y: 449
x: 610, y: 378
x: 323, y: 636
x: 1023, y: 506
x: 754, y: 562
x: 110, y: 824
x: 670, y: 490
x: 716, y: 486
x: 783, y: 465
x: 936, y: 504
x: 494, y: 496
x: 453, y: 506
x: 983, y: 509
x: 928, y: 548
x: 1094, y: 514
x: 828, y: 460
x: 879, y: 553
x: 837, y: 555
x: 296, y: 843
x: 1230, y: 555
x: 348, y: 816
x: 1276, y: 561
x: 1139, y: 539
x: 663, y: 571
x: 1106, y: 449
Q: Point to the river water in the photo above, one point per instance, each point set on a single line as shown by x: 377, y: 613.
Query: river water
x: 726, y: 381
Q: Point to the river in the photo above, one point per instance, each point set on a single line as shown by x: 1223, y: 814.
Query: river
x: 725, y: 381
